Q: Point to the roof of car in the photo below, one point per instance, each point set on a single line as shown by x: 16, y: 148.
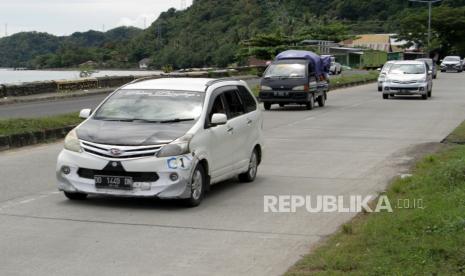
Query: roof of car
x: 183, y: 84
x: 410, y: 62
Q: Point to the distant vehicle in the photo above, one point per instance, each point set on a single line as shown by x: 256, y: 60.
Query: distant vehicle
x: 295, y: 77
x: 408, y: 78
x: 432, y: 66
x: 382, y: 74
x: 336, y: 67
x: 164, y: 138
x: 452, y: 63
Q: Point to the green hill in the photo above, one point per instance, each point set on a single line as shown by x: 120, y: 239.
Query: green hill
x: 210, y: 32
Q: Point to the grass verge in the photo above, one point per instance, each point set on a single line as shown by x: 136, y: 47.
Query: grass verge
x: 409, y: 241
x: 20, y: 126
x: 457, y: 136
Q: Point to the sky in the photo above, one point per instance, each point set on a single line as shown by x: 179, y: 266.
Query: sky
x: 63, y: 17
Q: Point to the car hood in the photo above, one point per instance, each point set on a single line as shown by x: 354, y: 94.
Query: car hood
x: 131, y: 133
x: 283, y: 83
x: 405, y: 77
x: 450, y: 62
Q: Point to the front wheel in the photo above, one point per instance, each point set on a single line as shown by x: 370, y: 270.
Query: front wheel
x: 311, y: 103
x: 322, y: 100
x: 75, y: 196
x: 251, y: 174
x: 267, y: 106
x: 197, y: 186
x: 424, y: 97
x: 385, y: 96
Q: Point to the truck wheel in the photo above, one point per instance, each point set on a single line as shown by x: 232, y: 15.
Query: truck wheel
x: 311, y: 103
x: 267, y: 106
x: 321, y: 101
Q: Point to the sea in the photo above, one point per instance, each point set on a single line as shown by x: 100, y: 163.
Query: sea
x: 8, y: 75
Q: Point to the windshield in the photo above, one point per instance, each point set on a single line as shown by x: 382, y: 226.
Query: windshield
x: 152, y: 106
x: 452, y: 59
x: 286, y: 70
x: 386, y: 68
x: 407, y: 69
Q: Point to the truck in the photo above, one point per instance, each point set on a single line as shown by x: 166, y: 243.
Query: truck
x: 296, y: 77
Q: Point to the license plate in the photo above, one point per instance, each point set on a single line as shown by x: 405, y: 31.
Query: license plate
x: 281, y: 94
x: 113, y: 182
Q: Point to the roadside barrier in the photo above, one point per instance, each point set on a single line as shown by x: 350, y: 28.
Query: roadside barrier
x: 33, y: 138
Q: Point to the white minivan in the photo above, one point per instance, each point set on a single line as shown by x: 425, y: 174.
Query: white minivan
x: 164, y: 138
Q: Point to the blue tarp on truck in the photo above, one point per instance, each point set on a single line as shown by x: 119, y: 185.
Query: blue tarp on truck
x: 320, y: 65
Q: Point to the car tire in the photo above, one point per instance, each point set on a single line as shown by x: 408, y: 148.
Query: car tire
x: 430, y: 93
x: 197, y: 187
x: 251, y: 173
x: 311, y: 103
x: 380, y: 89
x: 321, y: 101
x: 282, y: 105
x: 424, y: 97
x: 385, y: 96
x: 75, y: 196
x: 443, y: 71
x: 267, y: 106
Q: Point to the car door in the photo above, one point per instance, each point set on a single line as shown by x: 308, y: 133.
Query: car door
x: 220, y: 139
x: 238, y: 124
x: 251, y: 133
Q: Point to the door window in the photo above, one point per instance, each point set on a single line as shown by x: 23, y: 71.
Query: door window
x: 249, y: 102
x: 234, y: 104
x: 217, y: 107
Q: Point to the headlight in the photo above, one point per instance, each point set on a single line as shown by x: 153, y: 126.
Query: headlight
x: 299, y: 88
x: 72, y: 141
x: 265, y: 88
x: 176, y: 148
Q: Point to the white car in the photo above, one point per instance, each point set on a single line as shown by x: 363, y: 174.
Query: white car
x: 382, y: 74
x: 164, y: 138
x: 408, y: 78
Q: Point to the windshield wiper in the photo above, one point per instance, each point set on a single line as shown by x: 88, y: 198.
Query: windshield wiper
x: 177, y: 120
x: 113, y: 119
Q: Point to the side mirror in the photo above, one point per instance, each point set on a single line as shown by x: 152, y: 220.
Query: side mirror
x: 219, y: 119
x: 379, y: 69
x: 85, y: 113
x: 430, y: 72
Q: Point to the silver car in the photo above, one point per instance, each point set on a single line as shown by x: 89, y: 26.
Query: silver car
x: 408, y: 78
x: 382, y: 74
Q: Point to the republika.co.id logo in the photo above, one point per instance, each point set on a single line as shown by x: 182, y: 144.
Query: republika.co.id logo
x: 335, y: 204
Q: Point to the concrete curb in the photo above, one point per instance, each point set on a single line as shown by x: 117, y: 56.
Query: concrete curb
x: 32, y: 138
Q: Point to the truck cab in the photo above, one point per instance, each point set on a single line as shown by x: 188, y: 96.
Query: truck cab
x: 295, y: 77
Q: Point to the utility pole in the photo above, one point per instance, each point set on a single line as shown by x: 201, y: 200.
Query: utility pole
x: 430, y: 8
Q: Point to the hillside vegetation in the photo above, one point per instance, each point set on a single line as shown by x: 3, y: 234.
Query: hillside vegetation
x: 211, y: 32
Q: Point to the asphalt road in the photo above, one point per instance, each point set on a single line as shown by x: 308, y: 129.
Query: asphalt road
x: 352, y: 146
